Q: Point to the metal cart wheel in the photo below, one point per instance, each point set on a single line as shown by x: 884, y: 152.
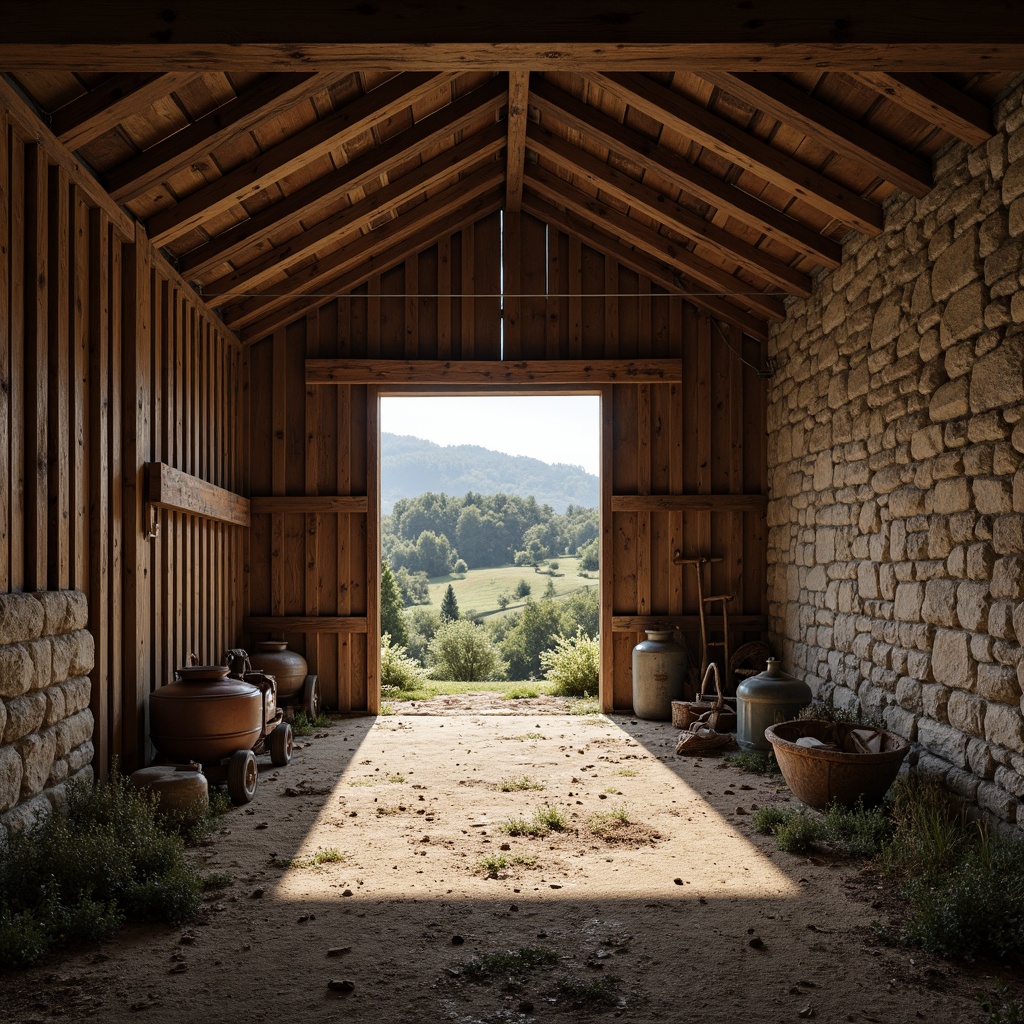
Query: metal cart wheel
x: 311, y: 697
x: 281, y: 745
x: 242, y: 776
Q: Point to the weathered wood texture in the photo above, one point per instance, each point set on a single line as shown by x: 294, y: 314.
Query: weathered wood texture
x: 683, y: 460
x: 107, y: 362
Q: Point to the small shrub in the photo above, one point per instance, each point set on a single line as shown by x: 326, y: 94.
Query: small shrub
x: 582, y: 995
x: 303, y: 725
x: 759, y: 762
x: 547, y: 818
x: 522, y: 692
x: 573, y: 665
x: 768, y: 819
x: 604, y: 823
x: 524, y: 782
x: 799, y: 833
x: 463, y: 652
x: 858, y: 831
x: 494, y: 863
x: 585, y: 706
x: 397, y: 670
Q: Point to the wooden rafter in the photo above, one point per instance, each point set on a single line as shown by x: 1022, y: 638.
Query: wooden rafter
x: 846, y: 137
x: 650, y: 266
x: 466, y: 155
x: 379, y: 251
x: 689, y: 178
x: 739, y: 147
x: 268, y: 96
x: 356, y: 175
x: 313, y: 277
x: 710, y: 277
x: 934, y: 100
x: 515, y: 153
x: 119, y: 97
x: 289, y: 156
x: 658, y: 35
x: 676, y: 218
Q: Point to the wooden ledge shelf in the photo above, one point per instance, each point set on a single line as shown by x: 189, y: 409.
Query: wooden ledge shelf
x: 306, y: 624
x: 689, y: 502
x: 170, y: 488
x: 638, y: 623
x: 350, y: 503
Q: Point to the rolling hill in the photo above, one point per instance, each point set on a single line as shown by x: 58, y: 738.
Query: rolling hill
x: 411, y: 466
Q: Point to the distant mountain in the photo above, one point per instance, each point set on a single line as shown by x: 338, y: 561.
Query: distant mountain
x: 411, y: 466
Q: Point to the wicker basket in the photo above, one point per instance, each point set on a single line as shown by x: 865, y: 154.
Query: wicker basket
x: 686, y: 712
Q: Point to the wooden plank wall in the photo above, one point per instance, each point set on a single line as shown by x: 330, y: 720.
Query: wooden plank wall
x: 107, y: 361
x: 702, y: 437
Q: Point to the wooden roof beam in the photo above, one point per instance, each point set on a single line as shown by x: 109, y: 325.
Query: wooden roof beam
x: 471, y: 152
x: 655, y: 270
x: 515, y: 152
x: 444, y: 204
x: 103, y: 108
x: 689, y: 178
x: 290, y: 155
x: 239, y: 115
x: 357, y: 174
x: 936, y: 101
x: 711, y: 277
x: 845, y: 136
x: 305, y: 35
x: 372, y: 255
x: 738, y: 147
x: 677, y: 219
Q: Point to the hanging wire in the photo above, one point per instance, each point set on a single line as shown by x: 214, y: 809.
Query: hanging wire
x: 765, y: 373
x: 485, y: 295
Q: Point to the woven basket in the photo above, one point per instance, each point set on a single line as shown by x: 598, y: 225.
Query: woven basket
x: 686, y: 712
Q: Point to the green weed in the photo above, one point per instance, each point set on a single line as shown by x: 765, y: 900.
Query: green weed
x: 759, y: 762
x: 494, y: 863
x: 547, y: 818
x: 1002, y: 1008
x: 312, y: 860
x: 396, y: 779
x: 512, y: 966
x: 521, y: 692
x: 628, y: 772
x: 585, y: 706
x: 303, y: 725
x: 608, y: 821
x: 515, y: 785
x: 583, y: 995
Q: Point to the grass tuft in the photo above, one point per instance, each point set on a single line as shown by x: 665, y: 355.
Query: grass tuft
x: 303, y: 725
x: 312, y: 860
x: 512, y: 966
x: 515, y: 785
x: 588, y: 995
x: 606, y: 822
x: 495, y: 863
x: 547, y: 818
x: 759, y: 762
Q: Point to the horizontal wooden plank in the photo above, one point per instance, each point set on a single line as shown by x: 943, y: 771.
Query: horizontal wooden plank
x: 352, y: 503
x: 306, y: 624
x: 167, y: 487
x: 658, y: 35
x: 689, y: 502
x: 638, y: 623
x: 493, y: 371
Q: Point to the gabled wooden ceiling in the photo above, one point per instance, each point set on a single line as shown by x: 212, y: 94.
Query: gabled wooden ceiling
x: 273, y: 192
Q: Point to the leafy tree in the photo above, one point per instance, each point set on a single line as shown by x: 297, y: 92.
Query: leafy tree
x: 573, y: 665
x: 549, y: 590
x: 397, y: 670
x: 589, y: 557
x: 580, y: 610
x: 523, y: 589
x: 392, y: 621
x: 503, y: 600
x: 532, y: 631
x: 413, y: 586
x: 422, y: 624
x: 449, y: 606
x: 434, y: 554
x: 463, y: 652
x: 460, y: 567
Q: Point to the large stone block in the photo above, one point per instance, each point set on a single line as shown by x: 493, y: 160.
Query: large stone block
x: 972, y: 601
x: 77, y: 693
x: 952, y: 663
x: 41, y: 653
x: 1008, y: 577
x: 908, y: 501
x: 11, y: 770
x: 867, y: 581
x: 83, y: 658
x: 997, y: 379
x: 993, y: 495
x: 55, y: 611
x: 926, y: 442
x: 967, y: 713
x: 25, y: 715
x: 909, y: 598
x: 1008, y: 534
x: 943, y: 741
x: 940, y: 603
x: 1000, y: 619
x: 1004, y: 725
x: 80, y: 757
x: 16, y: 670
x: 950, y: 401
x: 952, y: 495
x: 956, y: 267
x: 73, y: 732
x: 964, y: 315
x: 26, y: 815
x: 62, y: 650
x: 999, y: 683
x: 56, y: 709
x: 37, y: 754
x: 21, y: 618
x: 78, y: 611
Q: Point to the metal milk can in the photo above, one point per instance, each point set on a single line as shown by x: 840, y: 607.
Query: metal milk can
x: 769, y: 698
x: 659, y: 672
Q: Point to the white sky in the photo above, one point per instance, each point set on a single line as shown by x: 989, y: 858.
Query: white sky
x: 552, y: 428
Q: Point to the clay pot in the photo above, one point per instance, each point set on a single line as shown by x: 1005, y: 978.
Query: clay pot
x: 205, y: 719
x: 180, y: 789
x: 289, y: 668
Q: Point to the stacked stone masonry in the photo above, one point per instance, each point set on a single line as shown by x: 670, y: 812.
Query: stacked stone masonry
x: 46, y: 727
x: 896, y: 468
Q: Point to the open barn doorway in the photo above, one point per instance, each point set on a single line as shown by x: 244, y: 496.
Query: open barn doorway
x: 490, y: 531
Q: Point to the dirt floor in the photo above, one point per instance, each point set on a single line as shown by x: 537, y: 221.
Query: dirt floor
x: 683, y: 915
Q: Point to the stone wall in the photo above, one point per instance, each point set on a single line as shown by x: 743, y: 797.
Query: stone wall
x: 896, y: 433
x: 46, y: 656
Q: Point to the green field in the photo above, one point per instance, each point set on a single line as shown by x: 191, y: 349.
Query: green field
x: 477, y: 591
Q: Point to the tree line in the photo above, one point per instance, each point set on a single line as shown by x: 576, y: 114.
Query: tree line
x: 435, y: 534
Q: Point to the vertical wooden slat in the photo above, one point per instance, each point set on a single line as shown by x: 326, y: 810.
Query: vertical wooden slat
x: 58, y: 572
x: 643, y: 465
x: 99, y: 491
x: 554, y: 287
x: 79, y: 480
x: 467, y: 333
x: 512, y: 270
x: 314, y: 440
x: 444, y: 302
x: 7, y: 202
x: 36, y: 367
x: 116, y: 435
x: 159, y: 614
x: 136, y: 392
